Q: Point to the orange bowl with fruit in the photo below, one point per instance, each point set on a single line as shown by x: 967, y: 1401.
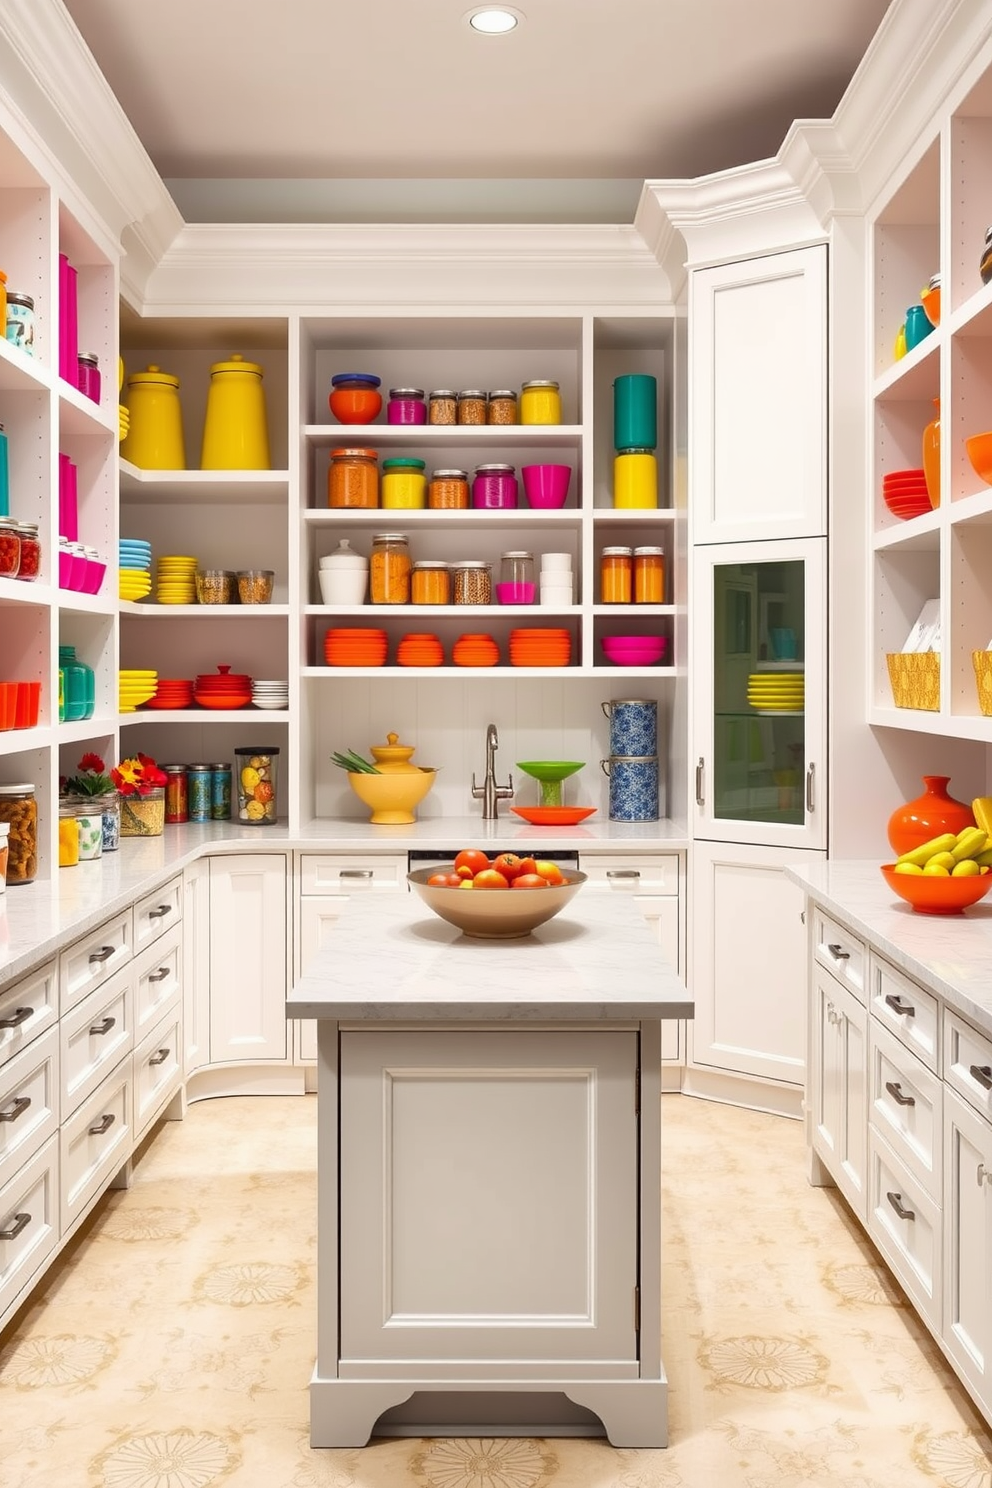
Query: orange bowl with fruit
x: 500, y: 899
x: 933, y: 893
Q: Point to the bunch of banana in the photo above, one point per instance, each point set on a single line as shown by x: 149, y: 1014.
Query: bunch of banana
x: 963, y: 856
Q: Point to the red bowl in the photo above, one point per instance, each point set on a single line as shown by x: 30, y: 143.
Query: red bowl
x: 355, y: 405
x: 932, y: 894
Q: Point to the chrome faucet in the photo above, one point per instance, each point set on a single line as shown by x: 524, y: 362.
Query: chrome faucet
x: 489, y: 793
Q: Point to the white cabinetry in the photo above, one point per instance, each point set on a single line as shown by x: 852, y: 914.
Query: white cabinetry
x: 249, y: 957
x: 968, y: 1204
x: 836, y: 1097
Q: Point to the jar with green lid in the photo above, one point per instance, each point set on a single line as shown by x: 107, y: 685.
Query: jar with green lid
x: 404, y: 484
x: 19, y: 809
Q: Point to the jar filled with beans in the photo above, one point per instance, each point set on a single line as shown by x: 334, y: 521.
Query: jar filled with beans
x: 448, y: 490
x: 19, y: 809
x: 389, y: 569
x: 472, y: 406
x: 430, y: 583
x: 443, y: 406
x: 353, y: 478
x: 472, y: 582
x: 502, y: 408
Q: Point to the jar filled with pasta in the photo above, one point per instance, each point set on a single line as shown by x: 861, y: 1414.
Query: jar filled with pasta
x: 19, y: 809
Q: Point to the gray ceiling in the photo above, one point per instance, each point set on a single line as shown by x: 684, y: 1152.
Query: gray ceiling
x: 396, y: 110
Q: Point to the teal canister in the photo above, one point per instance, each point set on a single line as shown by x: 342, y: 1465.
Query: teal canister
x: 635, y: 411
x: 78, y: 685
x: 4, y: 476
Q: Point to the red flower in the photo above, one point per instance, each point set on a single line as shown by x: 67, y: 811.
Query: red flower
x: 92, y: 762
x: 137, y: 776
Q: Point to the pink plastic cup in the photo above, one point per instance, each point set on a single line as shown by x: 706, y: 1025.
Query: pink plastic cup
x: 546, y: 485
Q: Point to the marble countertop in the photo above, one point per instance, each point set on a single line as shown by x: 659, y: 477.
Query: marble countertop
x: 393, y: 960
x: 950, y: 955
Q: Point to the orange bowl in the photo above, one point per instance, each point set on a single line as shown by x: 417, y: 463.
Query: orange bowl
x: 979, y: 448
x: 931, y: 894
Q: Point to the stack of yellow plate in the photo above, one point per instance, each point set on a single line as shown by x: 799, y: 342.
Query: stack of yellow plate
x: 176, y: 580
x: 134, y: 688
x: 776, y: 692
x: 134, y: 583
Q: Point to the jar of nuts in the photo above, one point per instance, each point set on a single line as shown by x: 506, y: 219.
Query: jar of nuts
x: 443, y: 407
x: 19, y: 809
x: 216, y: 586
x: 472, y: 582
x: 255, y: 585
x: 502, y: 406
x: 472, y: 406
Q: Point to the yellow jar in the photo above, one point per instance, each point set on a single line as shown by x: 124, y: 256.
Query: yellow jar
x: 540, y: 403
x: 404, y: 484
x: 68, y: 837
x: 155, y: 431
x: 635, y: 479
x: 235, y: 429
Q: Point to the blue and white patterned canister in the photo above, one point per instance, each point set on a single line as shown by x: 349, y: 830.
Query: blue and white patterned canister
x: 633, y: 788
x: 633, y: 726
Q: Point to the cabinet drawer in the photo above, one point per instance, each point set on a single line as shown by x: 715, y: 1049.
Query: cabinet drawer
x: 158, y: 912
x: 906, y: 1107
x: 841, y: 952
x: 905, y: 1225
x: 94, y: 1143
x: 29, y: 1221
x: 157, y: 980
x: 347, y: 873
x: 157, y: 1071
x: 29, y: 1102
x: 902, y: 1006
x: 91, y: 961
x: 27, y: 1009
x: 968, y: 1063
x: 633, y: 873
x: 94, y: 1037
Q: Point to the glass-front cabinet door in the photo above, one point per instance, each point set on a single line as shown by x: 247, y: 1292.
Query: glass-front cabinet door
x: 758, y: 683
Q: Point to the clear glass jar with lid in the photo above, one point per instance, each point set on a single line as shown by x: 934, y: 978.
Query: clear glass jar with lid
x: 472, y: 582
x: 30, y: 565
x: 19, y: 809
x: 443, y: 407
x: 502, y: 407
x: 472, y: 406
x: 389, y: 569
x: 615, y: 575
x: 430, y: 583
x: 649, y: 575
x: 353, y: 478
x: 406, y: 406
x: 448, y: 490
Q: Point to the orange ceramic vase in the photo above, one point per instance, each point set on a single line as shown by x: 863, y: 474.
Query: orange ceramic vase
x: 930, y: 815
x: 931, y: 456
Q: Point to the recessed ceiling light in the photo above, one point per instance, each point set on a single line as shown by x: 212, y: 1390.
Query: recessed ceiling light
x: 494, y: 21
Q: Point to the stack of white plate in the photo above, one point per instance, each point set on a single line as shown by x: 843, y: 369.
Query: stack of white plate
x: 270, y: 694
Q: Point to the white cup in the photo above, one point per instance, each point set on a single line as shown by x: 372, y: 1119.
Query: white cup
x: 556, y: 594
x: 343, y: 586
x: 556, y: 563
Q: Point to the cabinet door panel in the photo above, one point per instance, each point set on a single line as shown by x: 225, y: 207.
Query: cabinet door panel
x: 968, y: 1243
x: 837, y: 1085
x: 248, y: 957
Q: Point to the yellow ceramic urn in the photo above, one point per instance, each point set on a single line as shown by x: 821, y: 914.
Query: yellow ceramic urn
x: 235, y: 430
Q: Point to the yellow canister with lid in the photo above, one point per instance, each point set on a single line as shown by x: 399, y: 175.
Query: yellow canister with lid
x: 235, y: 429
x: 155, y: 427
x: 404, y: 484
x: 635, y: 479
x: 540, y: 402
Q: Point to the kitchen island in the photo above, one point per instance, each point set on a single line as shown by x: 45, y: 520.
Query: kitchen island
x: 489, y: 1167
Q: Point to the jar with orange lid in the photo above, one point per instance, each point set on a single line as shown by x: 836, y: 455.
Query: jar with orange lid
x: 353, y: 479
x: 616, y: 575
x: 430, y: 583
x: 389, y: 569
x: 448, y: 490
x: 649, y: 575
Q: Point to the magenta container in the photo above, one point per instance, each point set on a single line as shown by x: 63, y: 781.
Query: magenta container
x: 71, y: 327
x: 65, y: 568
x: 68, y: 500
x: 494, y: 488
x: 92, y: 576
x: 406, y: 406
x: 64, y: 318
x: 546, y: 485
x: 520, y: 593
x: 88, y: 379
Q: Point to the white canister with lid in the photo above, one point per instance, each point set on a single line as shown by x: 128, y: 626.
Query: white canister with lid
x: 343, y: 576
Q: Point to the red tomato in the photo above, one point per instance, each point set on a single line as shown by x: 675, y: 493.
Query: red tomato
x: 509, y: 865
x: 550, y: 872
x: 444, y: 880
x: 527, y: 865
x: 530, y: 881
x: 470, y: 861
x: 490, y: 879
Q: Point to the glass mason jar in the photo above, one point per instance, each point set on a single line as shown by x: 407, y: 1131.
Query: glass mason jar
x: 255, y: 771
x: 404, y: 485
x: 616, y: 575
x: 494, y: 487
x: 10, y: 550
x: 649, y: 575
x: 389, y: 569
x: 472, y: 406
x: 89, y: 818
x: 516, y: 578
x: 472, y: 582
x: 448, y: 490
x: 110, y: 811
x: 353, y: 479
x: 176, y: 794
x: 985, y: 264
x: 406, y: 406
x: 68, y: 834
x: 502, y: 407
x: 540, y: 402
x: 19, y: 809
x: 443, y: 407
x: 88, y: 375
x: 430, y: 583
x: 144, y: 816
x: 30, y: 565
x: 19, y: 321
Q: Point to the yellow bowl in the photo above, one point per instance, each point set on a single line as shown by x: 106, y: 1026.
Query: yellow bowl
x: 495, y: 914
x: 393, y: 798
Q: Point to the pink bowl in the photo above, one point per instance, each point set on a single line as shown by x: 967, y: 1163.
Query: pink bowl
x: 65, y: 569
x: 77, y: 572
x: 546, y: 485
x: 634, y: 650
x: 92, y: 577
x: 515, y: 594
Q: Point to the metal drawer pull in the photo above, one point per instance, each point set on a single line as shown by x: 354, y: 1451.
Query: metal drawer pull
x: 838, y: 953
x: 982, y: 1073
x: 984, y: 1174
x: 699, y: 781
x: 104, y: 1124
x: 103, y: 954
x: 623, y: 873
x: 157, y: 913
x: 809, y: 788
x: 899, y: 1006
x: 99, y: 1029
x: 160, y: 975
x: 21, y: 1222
x: 20, y: 1105
x: 362, y: 873
x: 895, y: 1199
x: 160, y: 1057
x: 21, y: 1015
x: 833, y: 1016
x: 895, y: 1090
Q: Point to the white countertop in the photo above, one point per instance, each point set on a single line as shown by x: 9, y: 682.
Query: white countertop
x: 950, y: 955
x: 393, y: 960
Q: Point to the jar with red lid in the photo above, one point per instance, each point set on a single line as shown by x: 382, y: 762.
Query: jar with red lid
x: 406, y: 406
x: 10, y: 550
x: 494, y: 487
x: 30, y: 565
x: 353, y: 479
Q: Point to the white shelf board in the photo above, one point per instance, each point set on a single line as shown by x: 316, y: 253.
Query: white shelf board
x: 26, y: 591
x: 952, y: 726
x: 325, y: 516
x: 201, y: 485
x: 205, y: 715
x: 151, y: 610
x: 442, y: 436
x: 501, y: 672
x: 524, y: 615
x: 20, y: 372
x: 16, y: 741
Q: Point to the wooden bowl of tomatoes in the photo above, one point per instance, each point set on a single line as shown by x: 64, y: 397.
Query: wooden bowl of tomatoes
x: 503, y: 898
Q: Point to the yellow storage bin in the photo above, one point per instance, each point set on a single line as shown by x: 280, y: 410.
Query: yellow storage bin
x: 915, y: 679
x: 982, y: 662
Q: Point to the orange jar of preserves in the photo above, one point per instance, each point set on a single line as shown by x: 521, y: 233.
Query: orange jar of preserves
x: 353, y: 478
x: 430, y: 583
x: 615, y: 575
x: 448, y: 490
x: 389, y: 569
x: 649, y: 576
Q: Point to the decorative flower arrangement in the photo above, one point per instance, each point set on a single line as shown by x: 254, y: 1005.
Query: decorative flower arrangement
x: 137, y: 776
x: 91, y: 780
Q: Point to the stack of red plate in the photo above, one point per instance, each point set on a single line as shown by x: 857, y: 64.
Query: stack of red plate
x: 222, y: 689
x: 419, y: 648
x: 539, y: 647
x: 475, y: 649
x: 353, y: 645
x: 905, y: 493
x: 172, y: 692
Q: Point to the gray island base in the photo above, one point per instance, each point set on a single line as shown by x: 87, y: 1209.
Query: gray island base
x: 489, y: 1170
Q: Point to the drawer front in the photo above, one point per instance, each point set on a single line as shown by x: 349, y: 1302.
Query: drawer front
x: 841, y: 952
x: 157, y: 1071
x: 906, y: 1107
x: 906, y: 1010
x: 905, y: 1225
x: 158, y: 912
x: 94, y: 1038
x: 29, y: 1102
x: 348, y: 873
x: 94, y: 1143
x: 28, y: 1009
x: 91, y: 961
x: 29, y: 1221
x: 157, y: 981
x: 968, y: 1063
x: 633, y: 873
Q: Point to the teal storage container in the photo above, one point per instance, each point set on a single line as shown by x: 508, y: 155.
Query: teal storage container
x: 635, y: 412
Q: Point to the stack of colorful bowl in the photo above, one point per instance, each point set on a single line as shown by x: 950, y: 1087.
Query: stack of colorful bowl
x: 475, y: 650
x: 135, y: 560
x: 135, y: 687
x: 540, y: 647
x: 270, y: 694
x: 222, y: 689
x: 905, y: 493
x: 353, y: 645
x: 173, y: 692
x: 176, y: 580
x: 420, y: 648
x: 777, y: 692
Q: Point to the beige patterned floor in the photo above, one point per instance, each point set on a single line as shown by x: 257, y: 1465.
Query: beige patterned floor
x: 173, y: 1344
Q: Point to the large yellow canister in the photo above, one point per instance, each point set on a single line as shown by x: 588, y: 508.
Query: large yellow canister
x: 635, y: 479
x: 235, y: 429
x: 155, y: 428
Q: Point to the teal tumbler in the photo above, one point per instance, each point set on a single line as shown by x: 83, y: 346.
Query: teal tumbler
x: 635, y: 412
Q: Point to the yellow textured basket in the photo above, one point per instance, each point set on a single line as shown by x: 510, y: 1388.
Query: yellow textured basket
x: 915, y: 679
x: 982, y: 662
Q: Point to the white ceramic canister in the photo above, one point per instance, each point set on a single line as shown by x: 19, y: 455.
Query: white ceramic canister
x: 90, y: 834
x: 343, y: 576
x: 633, y: 726
x: 633, y: 788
